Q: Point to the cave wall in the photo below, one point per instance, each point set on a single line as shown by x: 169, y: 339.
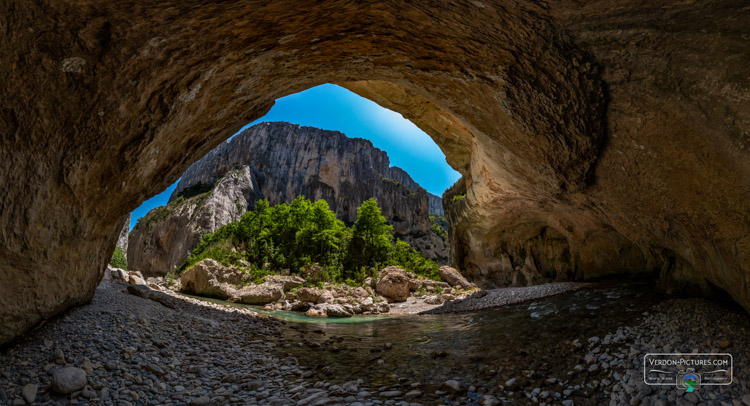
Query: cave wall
x: 623, y: 127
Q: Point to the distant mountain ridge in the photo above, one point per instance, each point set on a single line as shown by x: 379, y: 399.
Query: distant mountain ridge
x: 282, y: 161
x: 228, y: 155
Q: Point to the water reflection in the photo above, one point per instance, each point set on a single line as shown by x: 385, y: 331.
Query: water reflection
x: 530, y: 341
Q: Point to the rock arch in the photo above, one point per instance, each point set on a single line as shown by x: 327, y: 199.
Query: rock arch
x: 624, y: 129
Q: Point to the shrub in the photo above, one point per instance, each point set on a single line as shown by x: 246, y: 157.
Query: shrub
x: 306, y: 238
x: 118, y: 259
x: 170, y: 278
x: 436, y: 228
x: 404, y: 256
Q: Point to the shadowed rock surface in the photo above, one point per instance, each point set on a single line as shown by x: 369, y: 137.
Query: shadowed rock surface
x: 603, y: 137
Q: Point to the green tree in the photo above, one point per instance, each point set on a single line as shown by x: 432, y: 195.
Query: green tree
x: 297, y: 235
x: 403, y: 255
x: 371, y: 239
x: 118, y: 259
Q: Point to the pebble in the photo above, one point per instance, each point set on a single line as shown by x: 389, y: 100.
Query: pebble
x: 201, y: 401
x: 413, y: 394
x: 67, y: 380
x: 197, y: 361
x: 29, y: 392
x: 154, y: 369
x: 453, y: 386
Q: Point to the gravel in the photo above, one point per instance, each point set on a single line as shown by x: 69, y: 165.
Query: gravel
x: 123, y: 349
x: 505, y: 296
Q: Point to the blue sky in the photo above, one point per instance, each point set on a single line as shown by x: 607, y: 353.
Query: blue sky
x: 334, y: 108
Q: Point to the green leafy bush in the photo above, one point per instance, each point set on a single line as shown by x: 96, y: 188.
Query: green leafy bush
x: 458, y: 197
x: 437, y: 228
x: 118, y: 259
x: 308, y: 239
x: 403, y: 255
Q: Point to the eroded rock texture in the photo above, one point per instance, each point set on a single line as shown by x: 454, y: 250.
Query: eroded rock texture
x: 164, y: 238
x: 603, y: 136
x: 122, y: 239
x: 289, y: 160
x: 436, y: 205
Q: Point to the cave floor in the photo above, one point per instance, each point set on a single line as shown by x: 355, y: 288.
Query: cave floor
x: 581, y: 347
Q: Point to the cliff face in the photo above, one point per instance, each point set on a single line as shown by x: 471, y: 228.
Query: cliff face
x: 164, y: 237
x: 280, y: 161
x: 291, y: 160
x: 436, y: 204
x: 122, y: 240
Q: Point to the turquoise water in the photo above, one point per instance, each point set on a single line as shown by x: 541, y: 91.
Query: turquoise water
x: 294, y: 316
x: 530, y: 341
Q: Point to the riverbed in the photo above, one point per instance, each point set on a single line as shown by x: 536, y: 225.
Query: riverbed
x: 581, y: 347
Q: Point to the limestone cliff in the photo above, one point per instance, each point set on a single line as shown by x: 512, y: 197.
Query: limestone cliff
x: 436, y: 204
x: 122, y: 240
x: 164, y: 237
x: 291, y: 160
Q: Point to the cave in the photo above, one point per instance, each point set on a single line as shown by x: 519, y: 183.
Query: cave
x: 613, y: 138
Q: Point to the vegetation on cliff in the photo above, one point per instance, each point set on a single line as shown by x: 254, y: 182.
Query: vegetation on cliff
x: 437, y: 226
x: 305, y: 235
x: 118, y: 259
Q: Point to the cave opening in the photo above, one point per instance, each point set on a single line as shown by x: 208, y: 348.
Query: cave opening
x: 325, y: 143
x: 592, y: 141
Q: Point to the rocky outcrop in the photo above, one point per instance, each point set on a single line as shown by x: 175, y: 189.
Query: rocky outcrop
x: 308, y: 295
x: 210, y: 279
x: 164, y: 238
x: 291, y: 160
x: 435, y: 205
x: 329, y: 310
x: 260, y: 294
x: 287, y: 282
x: 613, y: 132
x: 122, y: 240
x: 453, y: 277
x: 394, y: 284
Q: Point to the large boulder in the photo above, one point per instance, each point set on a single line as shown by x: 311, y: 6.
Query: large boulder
x: 287, y: 282
x: 326, y: 297
x: 260, y: 294
x: 118, y: 274
x: 453, y: 277
x: 211, y: 279
x: 394, y: 284
x: 328, y: 310
x: 310, y: 295
x: 135, y: 278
